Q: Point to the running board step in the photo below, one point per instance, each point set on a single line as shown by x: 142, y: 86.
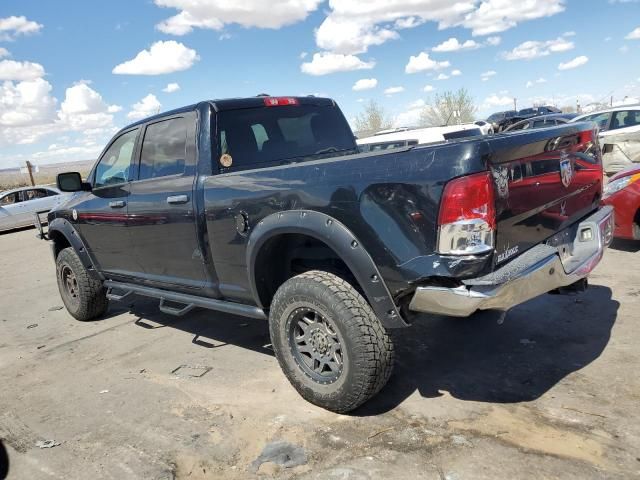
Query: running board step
x: 190, y: 301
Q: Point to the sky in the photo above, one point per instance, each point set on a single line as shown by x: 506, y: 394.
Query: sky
x: 73, y: 72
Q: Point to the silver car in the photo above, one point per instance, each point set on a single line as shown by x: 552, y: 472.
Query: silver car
x: 17, y: 206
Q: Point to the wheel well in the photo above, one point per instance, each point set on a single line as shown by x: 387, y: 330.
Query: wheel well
x: 60, y: 242
x: 288, y: 255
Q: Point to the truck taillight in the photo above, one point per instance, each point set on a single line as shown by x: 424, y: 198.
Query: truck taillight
x: 280, y: 101
x: 467, y: 218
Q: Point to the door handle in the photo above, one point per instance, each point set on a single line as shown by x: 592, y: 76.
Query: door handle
x: 177, y: 199
x: 117, y: 204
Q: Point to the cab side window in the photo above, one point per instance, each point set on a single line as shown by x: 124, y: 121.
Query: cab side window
x: 114, y: 165
x: 164, y: 149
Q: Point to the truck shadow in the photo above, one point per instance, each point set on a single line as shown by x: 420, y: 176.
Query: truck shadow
x: 209, y: 329
x: 625, y: 245
x: 475, y: 359
x: 4, y: 461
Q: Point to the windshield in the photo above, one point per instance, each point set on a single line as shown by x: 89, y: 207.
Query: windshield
x: 254, y: 136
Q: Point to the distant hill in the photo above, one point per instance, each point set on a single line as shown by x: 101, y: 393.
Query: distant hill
x: 12, y: 177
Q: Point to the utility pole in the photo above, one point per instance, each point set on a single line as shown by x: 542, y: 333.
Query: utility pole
x: 30, y: 170
x: 515, y: 104
x: 611, y: 101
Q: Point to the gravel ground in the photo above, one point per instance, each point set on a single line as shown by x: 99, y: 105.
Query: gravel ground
x: 554, y: 392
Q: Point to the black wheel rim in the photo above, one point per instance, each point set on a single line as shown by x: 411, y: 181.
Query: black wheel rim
x: 69, y: 284
x: 316, y: 345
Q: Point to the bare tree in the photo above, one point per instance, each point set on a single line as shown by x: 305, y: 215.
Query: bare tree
x: 449, y: 108
x: 372, y: 119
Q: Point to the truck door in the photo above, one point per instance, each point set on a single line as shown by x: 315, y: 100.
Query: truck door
x: 102, y: 215
x: 162, y: 213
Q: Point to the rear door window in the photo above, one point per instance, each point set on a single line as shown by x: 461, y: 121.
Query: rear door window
x: 283, y: 134
x: 34, y: 193
x: 164, y: 149
x: 624, y: 119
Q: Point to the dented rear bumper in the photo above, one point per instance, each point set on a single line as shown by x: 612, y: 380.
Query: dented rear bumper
x: 563, y: 260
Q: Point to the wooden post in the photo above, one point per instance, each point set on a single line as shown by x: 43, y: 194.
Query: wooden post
x: 30, y: 170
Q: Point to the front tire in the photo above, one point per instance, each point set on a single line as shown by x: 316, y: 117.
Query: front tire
x: 329, y: 343
x: 84, y: 297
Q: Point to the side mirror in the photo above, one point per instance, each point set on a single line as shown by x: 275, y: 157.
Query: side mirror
x: 71, y: 182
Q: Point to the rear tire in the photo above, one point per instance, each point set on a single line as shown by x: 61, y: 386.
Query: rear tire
x: 84, y: 297
x: 329, y: 343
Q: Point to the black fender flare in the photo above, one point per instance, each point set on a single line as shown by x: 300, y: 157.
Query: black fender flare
x: 338, y: 237
x: 63, y: 227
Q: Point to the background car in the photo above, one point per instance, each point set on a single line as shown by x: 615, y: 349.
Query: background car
x: 17, y: 206
x: 541, y: 121
x: 485, y: 127
x: 537, y: 111
x: 619, y: 136
x: 501, y: 120
x: 623, y: 194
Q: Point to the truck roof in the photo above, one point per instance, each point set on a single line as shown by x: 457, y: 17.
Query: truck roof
x: 234, y: 104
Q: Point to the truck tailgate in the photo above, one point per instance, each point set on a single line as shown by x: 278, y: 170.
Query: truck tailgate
x: 544, y: 185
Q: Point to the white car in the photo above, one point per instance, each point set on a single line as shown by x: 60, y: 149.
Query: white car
x: 619, y: 135
x: 485, y: 127
x: 405, y: 137
x: 18, y: 206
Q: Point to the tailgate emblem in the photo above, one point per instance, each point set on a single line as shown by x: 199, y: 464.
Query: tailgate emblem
x: 566, y: 171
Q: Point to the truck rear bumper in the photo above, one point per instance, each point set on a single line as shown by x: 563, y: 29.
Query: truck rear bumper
x: 565, y: 259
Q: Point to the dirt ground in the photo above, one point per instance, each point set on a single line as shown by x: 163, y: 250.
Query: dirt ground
x: 554, y: 392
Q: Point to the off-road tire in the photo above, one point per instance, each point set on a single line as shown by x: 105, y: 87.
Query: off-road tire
x: 89, y: 299
x: 367, y: 349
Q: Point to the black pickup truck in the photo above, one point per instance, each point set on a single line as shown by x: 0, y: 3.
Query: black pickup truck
x: 263, y: 207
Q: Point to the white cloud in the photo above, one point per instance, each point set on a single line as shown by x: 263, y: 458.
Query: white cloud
x: 494, y: 101
x: 484, y: 76
x: 442, y: 76
x: 534, y: 49
x: 531, y: 83
x: 83, y: 108
x: 114, y: 108
x: 422, y: 63
x: 493, y: 41
x: 171, y: 87
x: 215, y: 15
x: 351, y: 36
x: 325, y: 63
x: 12, y: 27
x: 634, y: 34
x: 364, y: 84
x: 428, y: 88
x: 569, y: 34
x: 456, y: 73
x: 493, y: 16
x: 623, y: 49
x: 453, y: 45
x: 4, y: 52
x: 393, y: 90
x: 162, y: 57
x: 303, y: 55
x: 575, y: 63
x: 26, y: 103
x: 352, y: 26
x: 146, y: 107
x: 20, y: 71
